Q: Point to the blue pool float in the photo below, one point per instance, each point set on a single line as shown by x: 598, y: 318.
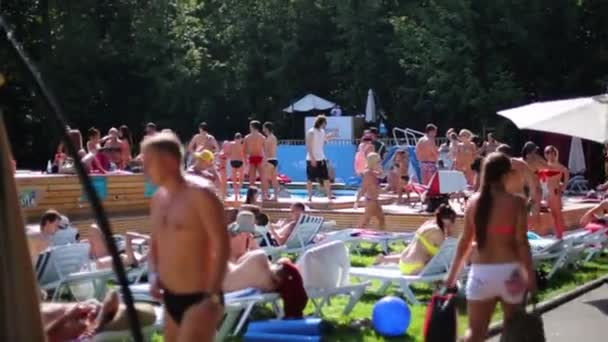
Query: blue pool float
x: 306, y: 326
x: 533, y: 236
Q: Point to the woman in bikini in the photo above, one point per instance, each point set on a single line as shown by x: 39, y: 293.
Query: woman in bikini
x: 426, y: 243
x: 555, y: 178
x: 370, y: 188
x: 495, y: 239
x: 126, y: 142
x: 94, y: 137
x: 237, y: 155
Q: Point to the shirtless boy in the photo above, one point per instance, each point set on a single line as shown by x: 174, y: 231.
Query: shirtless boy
x: 371, y: 190
x: 189, y: 244
x: 272, y: 163
x: 203, y: 140
x: 523, y: 178
x: 237, y: 155
x: 427, y: 153
x: 254, y: 149
x: 467, y: 152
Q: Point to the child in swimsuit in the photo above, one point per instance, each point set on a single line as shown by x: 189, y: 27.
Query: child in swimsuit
x: 370, y: 188
x: 426, y: 243
x: 236, y: 164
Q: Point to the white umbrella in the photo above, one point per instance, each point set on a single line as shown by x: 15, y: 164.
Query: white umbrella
x: 576, y: 159
x: 308, y: 103
x: 585, y: 117
x: 370, y: 107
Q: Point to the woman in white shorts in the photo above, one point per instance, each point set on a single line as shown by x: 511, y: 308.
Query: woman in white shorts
x: 495, y: 239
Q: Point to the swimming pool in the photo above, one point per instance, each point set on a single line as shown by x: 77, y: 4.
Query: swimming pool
x: 303, y: 193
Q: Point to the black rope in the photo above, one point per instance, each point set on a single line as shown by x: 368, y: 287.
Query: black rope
x: 58, y: 122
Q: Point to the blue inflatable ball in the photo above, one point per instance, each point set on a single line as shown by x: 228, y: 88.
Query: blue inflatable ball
x: 391, y: 317
x: 533, y: 236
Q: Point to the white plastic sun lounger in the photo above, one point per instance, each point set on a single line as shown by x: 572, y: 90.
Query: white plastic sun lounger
x: 237, y: 307
x: 557, y: 253
x: 436, y: 269
x: 355, y: 237
x: 325, y: 272
x: 301, y: 237
x: 69, y: 267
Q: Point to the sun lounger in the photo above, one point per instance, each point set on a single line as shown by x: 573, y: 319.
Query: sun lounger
x: 237, y: 307
x: 69, y: 267
x: 355, y: 237
x: 301, y: 237
x: 558, y: 253
x: 435, y: 270
x: 325, y: 271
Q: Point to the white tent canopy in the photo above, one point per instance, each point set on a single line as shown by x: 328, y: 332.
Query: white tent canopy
x: 585, y: 117
x: 308, y: 103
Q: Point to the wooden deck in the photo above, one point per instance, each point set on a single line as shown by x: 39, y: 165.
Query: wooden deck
x: 126, y: 200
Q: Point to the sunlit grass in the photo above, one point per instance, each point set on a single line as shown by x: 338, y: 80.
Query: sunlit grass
x: 357, y: 326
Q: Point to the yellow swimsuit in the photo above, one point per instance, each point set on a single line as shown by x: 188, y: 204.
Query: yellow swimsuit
x: 408, y: 268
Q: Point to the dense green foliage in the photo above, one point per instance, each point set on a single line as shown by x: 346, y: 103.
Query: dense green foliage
x: 178, y: 62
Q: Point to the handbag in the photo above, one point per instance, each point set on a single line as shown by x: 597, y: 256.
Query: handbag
x: 440, y: 320
x: 524, y: 326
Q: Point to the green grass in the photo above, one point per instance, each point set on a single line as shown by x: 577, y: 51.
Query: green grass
x: 357, y: 326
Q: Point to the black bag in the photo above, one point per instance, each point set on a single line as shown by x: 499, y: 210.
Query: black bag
x: 440, y: 321
x: 524, y: 326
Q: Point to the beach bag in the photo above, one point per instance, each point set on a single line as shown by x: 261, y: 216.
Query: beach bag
x: 440, y: 320
x: 524, y: 326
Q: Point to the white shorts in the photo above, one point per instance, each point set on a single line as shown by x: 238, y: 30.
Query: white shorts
x: 490, y: 281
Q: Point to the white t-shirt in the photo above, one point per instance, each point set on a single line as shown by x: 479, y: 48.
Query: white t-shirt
x: 317, y: 142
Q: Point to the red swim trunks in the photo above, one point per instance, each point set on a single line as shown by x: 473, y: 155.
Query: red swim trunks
x: 255, y: 160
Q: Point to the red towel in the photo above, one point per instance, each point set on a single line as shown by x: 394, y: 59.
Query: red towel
x: 291, y: 289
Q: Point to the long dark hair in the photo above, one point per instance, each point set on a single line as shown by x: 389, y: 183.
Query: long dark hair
x: 494, y: 167
x: 126, y: 135
x: 444, y: 211
x: 252, y: 192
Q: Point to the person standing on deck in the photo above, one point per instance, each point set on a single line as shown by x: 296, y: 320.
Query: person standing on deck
x: 556, y: 185
x: 272, y: 163
x: 316, y: 164
x: 253, y: 145
x: 370, y: 189
x: 203, y: 140
x: 237, y: 155
x: 427, y: 154
x: 379, y: 146
x: 189, y: 245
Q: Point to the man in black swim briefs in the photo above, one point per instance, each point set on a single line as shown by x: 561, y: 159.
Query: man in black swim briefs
x: 189, y: 245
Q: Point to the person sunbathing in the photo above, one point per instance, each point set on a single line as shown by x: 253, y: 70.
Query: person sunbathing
x: 253, y: 270
x: 54, y: 230
x: 204, y: 167
x: 281, y: 230
x: 595, y: 214
x: 426, y: 243
x: 242, y: 235
x: 102, y: 257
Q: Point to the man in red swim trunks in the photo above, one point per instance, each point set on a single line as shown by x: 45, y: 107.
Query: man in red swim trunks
x: 254, y: 150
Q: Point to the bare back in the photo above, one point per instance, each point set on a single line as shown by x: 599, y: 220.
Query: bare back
x: 182, y: 238
x: 254, y: 144
x: 371, y: 190
x: 500, y: 246
x: 270, y: 147
x: 236, y: 151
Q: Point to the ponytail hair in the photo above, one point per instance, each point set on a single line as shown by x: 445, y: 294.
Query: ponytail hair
x: 493, y: 169
x: 444, y: 211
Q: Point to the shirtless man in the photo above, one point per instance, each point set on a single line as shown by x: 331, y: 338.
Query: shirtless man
x: 522, y: 179
x: 556, y: 185
x: 189, y: 246
x: 280, y: 231
x: 254, y: 148
x: 237, y: 155
x: 203, y: 140
x: 427, y: 154
x: 272, y: 163
x: 371, y: 190
x: 490, y: 145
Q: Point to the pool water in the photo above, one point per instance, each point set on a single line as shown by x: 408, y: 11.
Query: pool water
x: 303, y: 193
